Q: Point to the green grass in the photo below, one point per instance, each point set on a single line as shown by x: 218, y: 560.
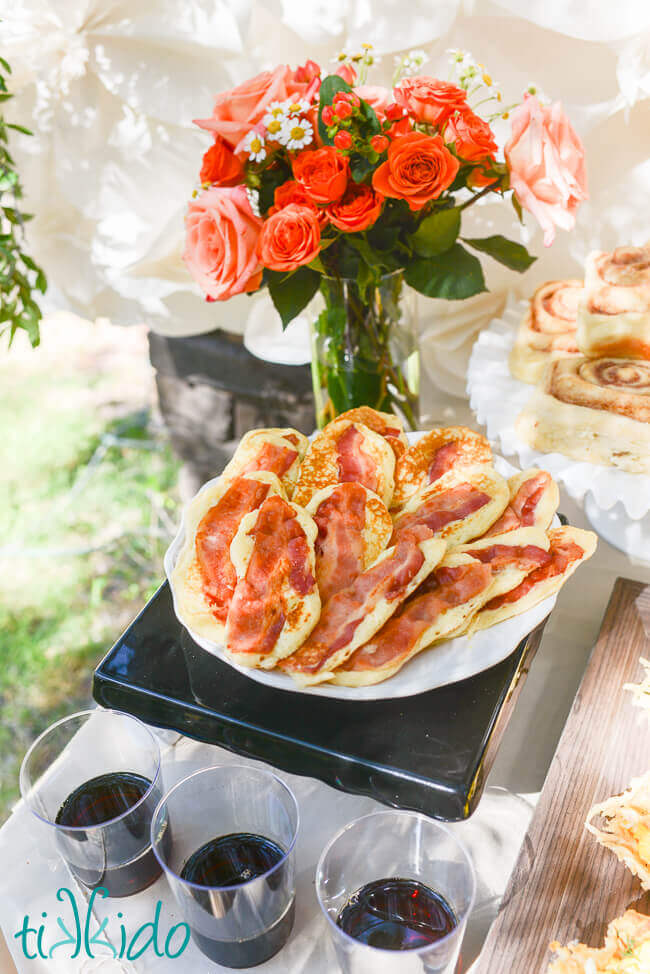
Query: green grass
x: 87, y: 504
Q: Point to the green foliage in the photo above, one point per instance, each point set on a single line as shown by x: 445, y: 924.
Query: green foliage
x: 512, y: 255
x: 20, y: 275
x: 437, y: 232
x: 453, y: 275
x: 329, y: 87
x: 291, y: 293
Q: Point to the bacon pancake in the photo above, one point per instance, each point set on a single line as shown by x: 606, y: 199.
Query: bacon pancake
x: 457, y: 507
x: 354, y: 527
x: 511, y: 556
x: 386, y: 424
x: 534, y: 499
x: 204, y: 577
x: 569, y: 547
x: 276, y: 602
x: 346, y: 452
x: 444, y: 603
x: 356, y: 613
x: 437, y: 453
x: 278, y: 450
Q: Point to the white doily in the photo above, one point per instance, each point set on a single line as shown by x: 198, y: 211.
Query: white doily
x: 497, y: 399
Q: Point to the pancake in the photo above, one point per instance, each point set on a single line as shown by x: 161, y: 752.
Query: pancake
x: 204, y: 578
x: 569, y: 547
x: 435, y: 454
x: 277, y: 450
x: 354, y: 527
x: 386, y: 424
x: 346, y: 452
x: 511, y: 556
x: 443, y: 604
x: 460, y: 505
x: 534, y: 499
x: 356, y: 613
x: 276, y: 603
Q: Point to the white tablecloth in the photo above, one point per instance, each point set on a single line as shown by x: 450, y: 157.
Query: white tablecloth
x: 31, y: 872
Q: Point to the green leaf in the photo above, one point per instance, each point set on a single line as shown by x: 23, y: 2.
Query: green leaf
x: 370, y: 116
x: 271, y: 178
x: 437, y: 233
x: 19, y: 128
x: 360, y: 167
x: 329, y: 87
x: 453, y: 275
x: 517, y: 208
x: 292, y: 293
x: 513, y: 255
x: 5, y: 65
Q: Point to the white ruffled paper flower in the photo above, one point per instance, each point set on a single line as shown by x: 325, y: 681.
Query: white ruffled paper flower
x: 254, y: 144
x: 296, y: 133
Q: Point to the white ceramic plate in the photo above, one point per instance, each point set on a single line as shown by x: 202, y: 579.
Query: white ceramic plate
x: 448, y: 662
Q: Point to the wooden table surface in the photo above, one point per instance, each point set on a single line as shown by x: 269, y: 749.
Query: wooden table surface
x: 565, y: 886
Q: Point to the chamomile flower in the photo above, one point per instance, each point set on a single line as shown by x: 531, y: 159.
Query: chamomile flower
x: 297, y: 106
x: 254, y: 144
x: 296, y: 133
x: 409, y: 64
x: 533, y: 89
x: 254, y: 200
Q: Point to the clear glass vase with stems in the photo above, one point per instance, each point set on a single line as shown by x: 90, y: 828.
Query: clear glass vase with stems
x: 365, y: 349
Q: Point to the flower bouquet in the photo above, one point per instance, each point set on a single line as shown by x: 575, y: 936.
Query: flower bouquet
x: 324, y: 183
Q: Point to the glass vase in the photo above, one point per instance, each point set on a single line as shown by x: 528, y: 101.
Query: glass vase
x: 365, y: 349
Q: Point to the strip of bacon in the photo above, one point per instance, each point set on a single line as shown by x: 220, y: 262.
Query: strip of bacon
x: 276, y: 459
x: 341, y: 519
x: 444, y: 459
x: 561, y: 554
x: 215, y: 532
x: 445, y: 588
x: 280, y: 555
x: 520, y: 512
x: 340, y: 618
x: 525, y: 557
x: 440, y: 510
x: 354, y: 464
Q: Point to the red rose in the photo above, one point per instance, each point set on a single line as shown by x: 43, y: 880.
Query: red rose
x: 394, y: 112
x: 379, y: 143
x: 221, y: 166
x: 322, y: 173
x: 418, y: 169
x: 357, y: 210
x: 401, y: 127
x: 430, y: 100
x: 292, y: 192
x: 342, y: 140
x: 289, y: 238
x: 472, y: 137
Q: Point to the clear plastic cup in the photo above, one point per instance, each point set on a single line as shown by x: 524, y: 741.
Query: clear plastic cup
x: 94, y: 778
x: 402, y: 845
x: 243, y: 923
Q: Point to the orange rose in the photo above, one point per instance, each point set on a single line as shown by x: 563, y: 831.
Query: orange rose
x: 236, y: 112
x: 289, y: 238
x: 430, y: 100
x: 357, y: 210
x: 292, y: 192
x: 472, y: 137
x: 418, y: 169
x: 221, y: 166
x: 322, y: 173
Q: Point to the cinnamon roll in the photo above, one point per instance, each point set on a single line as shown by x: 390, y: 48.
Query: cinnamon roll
x: 614, y: 315
x: 596, y: 410
x: 548, y: 330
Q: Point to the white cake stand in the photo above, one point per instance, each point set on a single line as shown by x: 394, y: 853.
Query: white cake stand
x: 616, y: 503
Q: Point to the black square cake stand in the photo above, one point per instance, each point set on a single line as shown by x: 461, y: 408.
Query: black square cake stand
x: 430, y: 752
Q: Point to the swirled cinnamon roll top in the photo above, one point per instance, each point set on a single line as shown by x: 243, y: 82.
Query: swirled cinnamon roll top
x: 620, y: 386
x: 618, y: 282
x: 551, y: 321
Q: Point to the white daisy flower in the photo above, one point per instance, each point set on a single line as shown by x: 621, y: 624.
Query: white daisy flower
x: 297, y: 106
x: 254, y: 200
x: 412, y: 62
x: 253, y: 143
x: 296, y: 133
x: 276, y: 112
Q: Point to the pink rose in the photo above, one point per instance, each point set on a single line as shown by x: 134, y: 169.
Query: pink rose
x: 347, y: 72
x: 429, y: 99
x: 378, y: 97
x: 236, y: 112
x: 546, y: 160
x: 221, y: 234
x: 304, y: 82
